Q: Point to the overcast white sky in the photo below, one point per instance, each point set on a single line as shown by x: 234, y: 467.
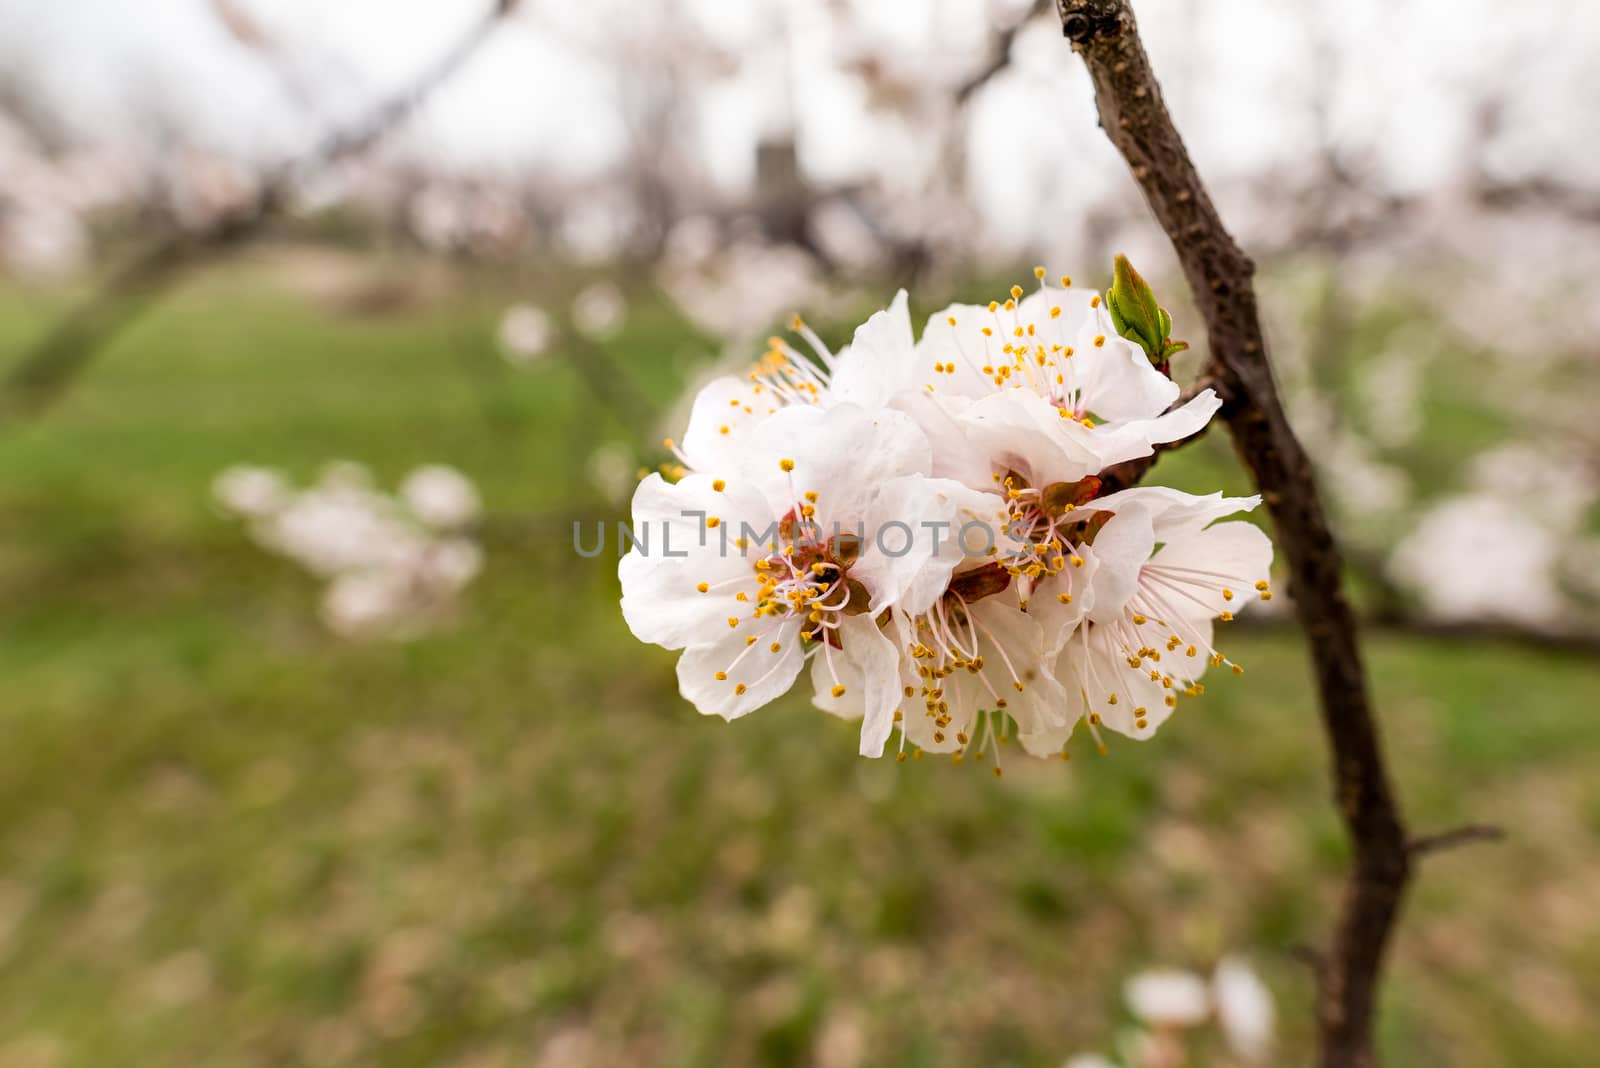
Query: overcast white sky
x: 545, y: 91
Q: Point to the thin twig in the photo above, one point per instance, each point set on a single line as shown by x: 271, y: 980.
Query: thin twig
x: 1489, y: 632
x: 1459, y: 836
x: 1136, y: 120
x: 44, y: 372
x: 999, y: 53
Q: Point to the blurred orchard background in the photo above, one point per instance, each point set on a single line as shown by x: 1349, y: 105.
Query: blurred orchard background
x: 321, y: 325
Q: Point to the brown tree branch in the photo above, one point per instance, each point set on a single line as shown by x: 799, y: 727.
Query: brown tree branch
x: 1133, y: 115
x: 1496, y: 632
x: 44, y: 371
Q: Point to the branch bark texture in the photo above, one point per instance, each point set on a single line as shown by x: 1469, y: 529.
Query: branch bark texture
x: 1133, y: 115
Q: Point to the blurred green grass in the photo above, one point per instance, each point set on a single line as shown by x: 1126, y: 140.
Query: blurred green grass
x: 228, y: 839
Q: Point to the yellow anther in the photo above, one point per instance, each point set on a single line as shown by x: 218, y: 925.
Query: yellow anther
x: 722, y: 429
x: 1261, y: 585
x: 1016, y: 291
x: 994, y: 306
x: 666, y: 443
x: 951, y: 319
x: 1099, y: 340
x: 777, y: 647
x: 1077, y: 561
x: 1094, y: 301
x: 1227, y: 595
x: 1111, y: 700
x: 740, y: 689
x: 1064, y: 598
x: 1171, y: 701
x: 786, y: 464
x: 1055, y: 311
x: 1038, y: 272
x: 1238, y: 669
x: 1226, y: 617
x: 713, y: 522
x: 838, y: 691
x: 703, y: 587
x: 722, y: 676
x: 1066, y: 281
x: 1266, y: 595
x: 733, y: 621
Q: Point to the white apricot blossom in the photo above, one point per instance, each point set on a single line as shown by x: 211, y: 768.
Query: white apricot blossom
x: 794, y: 552
x: 1163, y: 574
x: 1020, y: 600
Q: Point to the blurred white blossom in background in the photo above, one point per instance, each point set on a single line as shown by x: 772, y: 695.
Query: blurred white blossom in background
x: 1487, y: 554
x: 249, y: 491
x: 394, y: 564
x: 441, y: 497
x: 599, y: 309
x: 1244, y: 1009
x: 1172, y: 1003
x: 1168, y: 997
x: 525, y: 334
x: 735, y: 289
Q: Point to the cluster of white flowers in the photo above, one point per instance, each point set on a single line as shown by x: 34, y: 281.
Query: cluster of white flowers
x: 393, y: 564
x: 1167, y: 1002
x: 922, y: 520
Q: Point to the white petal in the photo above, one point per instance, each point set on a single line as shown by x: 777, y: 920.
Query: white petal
x: 1117, y: 380
x: 880, y: 359
x: 1174, y: 512
x: 1187, y: 420
x: 1239, y: 550
x: 1019, y: 429
x: 1093, y: 667
x: 726, y: 411
x: 1244, y: 1008
x: 764, y: 674
x: 661, y: 600
x: 954, y: 454
x: 962, y: 346
x: 877, y: 662
x: 1120, y: 549
x: 1041, y: 702
x: 924, y: 516
x: 1168, y: 997
x: 843, y: 454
